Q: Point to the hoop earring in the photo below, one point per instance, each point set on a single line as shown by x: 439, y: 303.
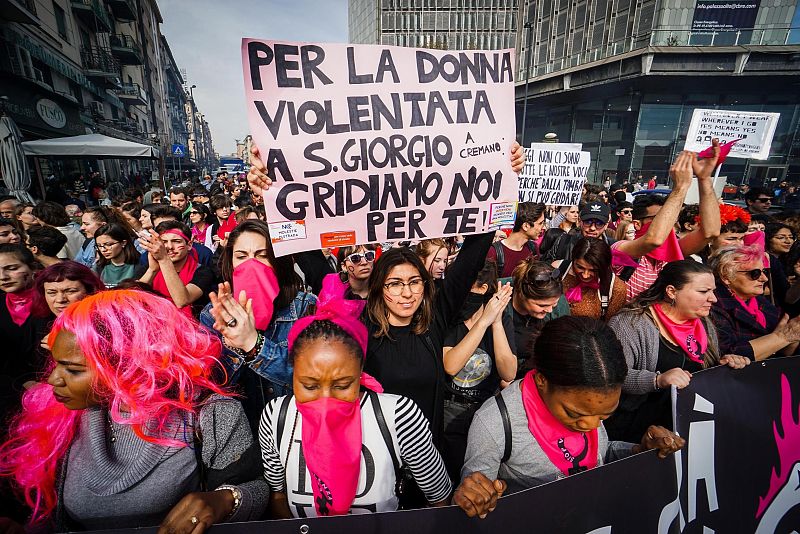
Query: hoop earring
x: 673, y: 302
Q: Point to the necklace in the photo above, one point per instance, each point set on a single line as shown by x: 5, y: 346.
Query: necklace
x: 112, y: 434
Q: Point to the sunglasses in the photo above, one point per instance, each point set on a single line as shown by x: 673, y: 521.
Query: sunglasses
x: 755, y: 274
x: 597, y: 223
x: 764, y: 200
x: 627, y: 212
x: 357, y: 257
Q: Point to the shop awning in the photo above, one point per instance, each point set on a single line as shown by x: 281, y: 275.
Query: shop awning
x: 90, y: 146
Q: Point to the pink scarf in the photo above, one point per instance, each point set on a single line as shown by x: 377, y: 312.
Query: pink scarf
x: 331, y: 427
x: 226, y: 227
x: 575, y: 294
x: 186, y: 273
x: 758, y: 238
x: 19, y: 305
x: 570, y: 451
x: 670, y: 249
x: 198, y: 235
x: 752, y: 308
x: 260, y: 283
x: 690, y: 335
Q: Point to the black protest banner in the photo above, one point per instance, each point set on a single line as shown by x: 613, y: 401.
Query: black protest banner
x: 624, y: 497
x: 376, y: 143
x: 740, y: 471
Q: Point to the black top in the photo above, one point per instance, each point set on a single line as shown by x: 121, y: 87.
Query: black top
x: 411, y: 365
x: 20, y: 358
x: 671, y: 356
x: 203, y: 278
x: 478, y: 379
x: 315, y: 267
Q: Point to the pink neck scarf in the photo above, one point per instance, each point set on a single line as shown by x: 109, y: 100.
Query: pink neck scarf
x: 752, y: 308
x: 260, y: 283
x: 331, y: 427
x: 19, y: 305
x: 670, y: 249
x: 570, y: 451
x: 690, y: 335
x: 575, y: 294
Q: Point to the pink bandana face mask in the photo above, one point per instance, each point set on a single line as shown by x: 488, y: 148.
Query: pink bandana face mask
x: 332, y: 449
x: 259, y: 281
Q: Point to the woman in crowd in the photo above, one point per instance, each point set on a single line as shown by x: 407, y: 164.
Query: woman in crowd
x: 173, y: 268
x: 130, y: 429
x: 60, y: 285
x: 779, y: 240
x: 24, y: 216
x: 666, y: 335
x: 132, y: 211
x: 477, y: 356
x: 331, y: 411
x: 589, y: 284
x: 202, y: 231
x: 92, y: 219
x: 259, y: 301
x: 247, y: 213
x: 791, y: 266
x: 145, y: 217
x: 747, y: 323
x: 154, y: 196
x: 356, y: 264
x: 556, y: 418
x: 433, y: 253
x: 538, y: 298
x: 222, y: 208
x: 626, y: 231
x: 20, y: 329
x: 118, y: 258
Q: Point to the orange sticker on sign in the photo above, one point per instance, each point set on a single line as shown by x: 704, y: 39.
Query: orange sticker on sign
x: 337, y: 239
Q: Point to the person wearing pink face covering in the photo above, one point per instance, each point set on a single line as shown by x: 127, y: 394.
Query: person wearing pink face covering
x: 639, y: 261
x: 259, y: 301
x: 333, y: 448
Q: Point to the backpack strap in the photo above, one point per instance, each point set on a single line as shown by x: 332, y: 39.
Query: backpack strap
x: 282, y: 419
x: 500, y: 256
x: 533, y: 248
x: 384, y: 428
x: 501, y: 405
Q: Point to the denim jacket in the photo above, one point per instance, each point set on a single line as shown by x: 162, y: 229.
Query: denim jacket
x: 272, y: 363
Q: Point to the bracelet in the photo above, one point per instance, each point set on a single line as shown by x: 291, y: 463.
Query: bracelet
x: 247, y: 355
x: 237, y: 498
x: 655, y: 381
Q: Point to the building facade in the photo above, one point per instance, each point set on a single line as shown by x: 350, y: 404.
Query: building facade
x: 440, y: 24
x: 70, y: 67
x: 623, y: 78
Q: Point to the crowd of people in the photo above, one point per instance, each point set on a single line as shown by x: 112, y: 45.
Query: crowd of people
x: 163, y: 367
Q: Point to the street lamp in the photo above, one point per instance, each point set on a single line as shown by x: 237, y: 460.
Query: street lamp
x: 528, y: 55
x: 194, y: 125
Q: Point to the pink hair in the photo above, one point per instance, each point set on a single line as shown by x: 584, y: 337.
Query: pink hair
x: 148, y: 359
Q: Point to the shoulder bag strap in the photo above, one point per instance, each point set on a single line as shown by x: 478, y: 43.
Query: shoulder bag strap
x: 282, y: 419
x: 500, y: 256
x: 384, y: 428
x: 501, y: 405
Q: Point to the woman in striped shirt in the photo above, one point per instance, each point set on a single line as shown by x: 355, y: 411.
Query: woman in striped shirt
x: 335, y: 447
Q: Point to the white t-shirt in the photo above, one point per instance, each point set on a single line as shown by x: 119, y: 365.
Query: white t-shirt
x: 411, y: 438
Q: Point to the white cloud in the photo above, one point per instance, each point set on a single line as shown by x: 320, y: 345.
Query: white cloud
x: 205, y: 38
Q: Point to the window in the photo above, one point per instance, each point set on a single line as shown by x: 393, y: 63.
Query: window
x: 61, y: 20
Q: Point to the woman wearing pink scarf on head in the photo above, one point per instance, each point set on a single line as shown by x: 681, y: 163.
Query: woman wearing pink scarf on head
x: 336, y: 446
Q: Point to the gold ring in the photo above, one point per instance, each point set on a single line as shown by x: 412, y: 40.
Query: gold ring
x: 194, y: 520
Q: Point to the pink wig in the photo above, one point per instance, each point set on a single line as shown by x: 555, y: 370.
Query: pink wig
x: 148, y: 360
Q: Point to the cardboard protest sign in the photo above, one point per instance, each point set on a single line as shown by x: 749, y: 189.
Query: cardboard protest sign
x: 377, y: 143
x: 755, y: 131
x: 554, y: 174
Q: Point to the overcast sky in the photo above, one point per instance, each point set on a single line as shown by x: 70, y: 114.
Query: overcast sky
x: 205, y: 38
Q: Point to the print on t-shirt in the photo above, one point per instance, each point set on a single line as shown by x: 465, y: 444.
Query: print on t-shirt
x: 476, y: 370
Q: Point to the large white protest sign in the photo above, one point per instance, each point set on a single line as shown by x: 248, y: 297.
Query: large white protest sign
x: 554, y: 174
x: 377, y: 143
x: 754, y: 129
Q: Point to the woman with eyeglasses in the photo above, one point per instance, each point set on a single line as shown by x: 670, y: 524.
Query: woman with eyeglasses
x: 747, y: 322
x: 666, y: 335
x: 202, y: 231
x: 259, y: 301
x: 356, y: 264
x: 117, y: 258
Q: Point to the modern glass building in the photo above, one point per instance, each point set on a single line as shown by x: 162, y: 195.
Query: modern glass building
x: 442, y: 24
x: 623, y: 77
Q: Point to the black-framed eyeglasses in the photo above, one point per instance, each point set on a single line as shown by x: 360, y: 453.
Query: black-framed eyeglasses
x: 755, y: 274
x: 763, y: 200
x: 597, y: 223
x: 356, y: 257
x: 105, y: 246
x: 395, y: 288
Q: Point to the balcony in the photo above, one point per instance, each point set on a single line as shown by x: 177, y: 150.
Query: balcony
x: 92, y: 14
x: 125, y: 49
x: 132, y: 93
x: 98, y: 63
x: 23, y: 11
x: 124, y: 10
